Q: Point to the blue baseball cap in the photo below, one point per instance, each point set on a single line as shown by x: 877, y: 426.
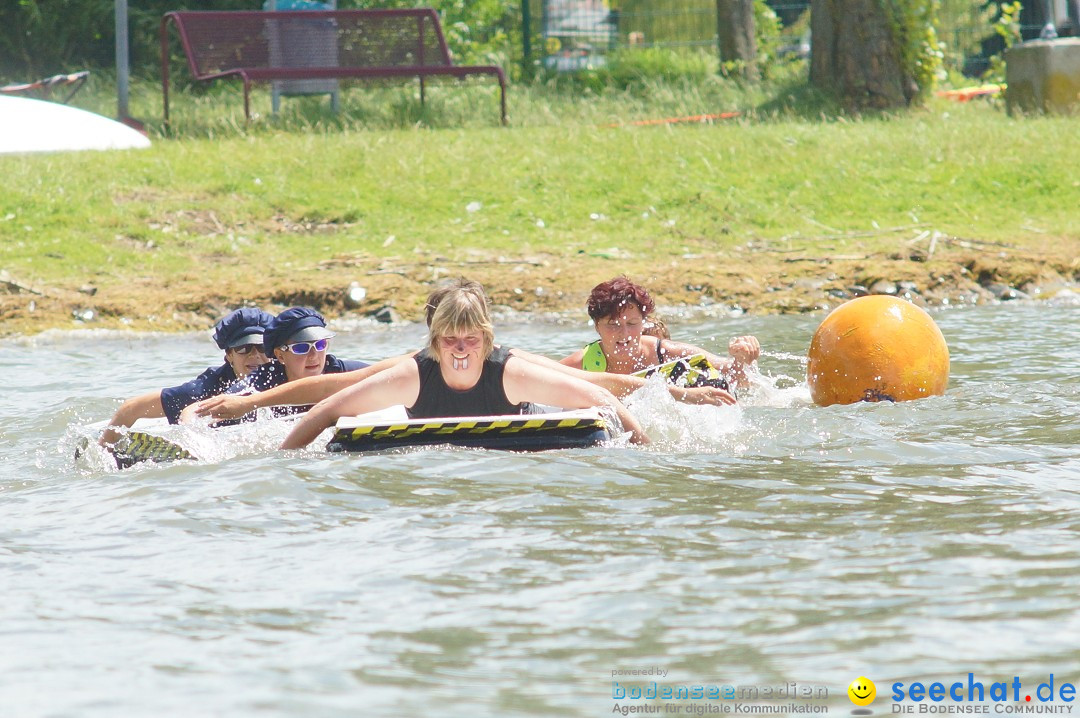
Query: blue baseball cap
x: 297, y: 324
x: 243, y: 326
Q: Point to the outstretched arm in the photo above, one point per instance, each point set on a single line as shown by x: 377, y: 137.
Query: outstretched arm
x: 623, y: 385
x: 144, y: 406
x: 524, y: 381
x: 398, y: 385
x: 308, y: 390
x: 744, y: 351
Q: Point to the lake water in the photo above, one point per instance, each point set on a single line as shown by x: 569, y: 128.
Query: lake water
x: 763, y: 545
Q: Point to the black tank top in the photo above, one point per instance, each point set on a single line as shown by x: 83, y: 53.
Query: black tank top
x: 487, y: 398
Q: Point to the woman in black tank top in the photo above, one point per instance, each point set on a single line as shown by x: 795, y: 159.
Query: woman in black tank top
x: 460, y: 373
x: 486, y: 398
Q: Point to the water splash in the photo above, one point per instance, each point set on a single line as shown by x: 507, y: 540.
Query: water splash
x: 675, y: 425
x: 787, y: 356
x: 775, y: 390
x: 207, y: 443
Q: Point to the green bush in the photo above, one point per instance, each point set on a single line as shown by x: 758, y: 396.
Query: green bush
x: 768, y: 33
x: 915, y: 24
x: 1007, y: 26
x: 40, y: 38
x: 477, y: 31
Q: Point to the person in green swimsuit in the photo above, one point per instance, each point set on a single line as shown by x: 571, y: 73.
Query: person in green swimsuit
x: 620, y: 312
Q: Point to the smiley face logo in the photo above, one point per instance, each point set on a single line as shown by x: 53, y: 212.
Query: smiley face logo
x: 862, y: 691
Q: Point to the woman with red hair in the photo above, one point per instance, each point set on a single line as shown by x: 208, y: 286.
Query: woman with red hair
x: 620, y: 312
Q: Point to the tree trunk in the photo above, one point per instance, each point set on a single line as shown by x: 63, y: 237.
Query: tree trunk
x: 854, y: 53
x: 735, y: 33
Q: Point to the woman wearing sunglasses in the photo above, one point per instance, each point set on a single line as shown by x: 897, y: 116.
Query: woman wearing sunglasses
x: 240, y: 335
x: 297, y: 341
x: 461, y: 372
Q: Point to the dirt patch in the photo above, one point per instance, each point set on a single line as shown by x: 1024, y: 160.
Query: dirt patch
x: 758, y: 279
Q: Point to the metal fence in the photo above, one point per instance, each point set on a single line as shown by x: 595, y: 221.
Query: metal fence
x: 577, y: 33
x: 687, y: 23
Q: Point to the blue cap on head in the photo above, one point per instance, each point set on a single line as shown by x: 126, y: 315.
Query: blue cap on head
x: 244, y: 326
x: 297, y: 324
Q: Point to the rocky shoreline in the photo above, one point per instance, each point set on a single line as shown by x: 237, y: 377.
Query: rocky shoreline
x: 755, y: 280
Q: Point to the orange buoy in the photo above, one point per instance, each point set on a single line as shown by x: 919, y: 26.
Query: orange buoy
x: 877, y: 348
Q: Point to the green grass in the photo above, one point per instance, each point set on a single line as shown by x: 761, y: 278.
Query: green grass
x: 284, y: 193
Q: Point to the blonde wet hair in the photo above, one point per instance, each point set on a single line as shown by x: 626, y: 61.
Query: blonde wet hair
x: 446, y: 287
x: 462, y: 309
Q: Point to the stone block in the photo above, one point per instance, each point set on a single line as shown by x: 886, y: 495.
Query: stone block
x: 1043, y: 76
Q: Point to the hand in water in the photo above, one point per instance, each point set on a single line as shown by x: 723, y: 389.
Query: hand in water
x: 745, y: 349
x: 712, y: 395
x: 225, y: 406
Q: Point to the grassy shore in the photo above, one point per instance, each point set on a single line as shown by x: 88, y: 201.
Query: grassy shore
x: 773, y: 211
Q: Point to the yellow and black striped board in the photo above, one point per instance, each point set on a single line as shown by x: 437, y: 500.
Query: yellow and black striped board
x: 516, y: 432
x: 694, y: 370
x: 136, y: 447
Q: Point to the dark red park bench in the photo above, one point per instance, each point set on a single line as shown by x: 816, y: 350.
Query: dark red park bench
x: 299, y: 45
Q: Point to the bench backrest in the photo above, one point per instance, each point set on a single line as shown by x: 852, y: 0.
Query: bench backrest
x: 217, y: 42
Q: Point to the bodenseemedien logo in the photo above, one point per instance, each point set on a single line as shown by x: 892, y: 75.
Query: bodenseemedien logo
x: 862, y: 692
x: 712, y: 698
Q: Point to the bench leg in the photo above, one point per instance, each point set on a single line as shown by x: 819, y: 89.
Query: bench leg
x: 421, y: 91
x: 247, y: 100
x: 165, y: 95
